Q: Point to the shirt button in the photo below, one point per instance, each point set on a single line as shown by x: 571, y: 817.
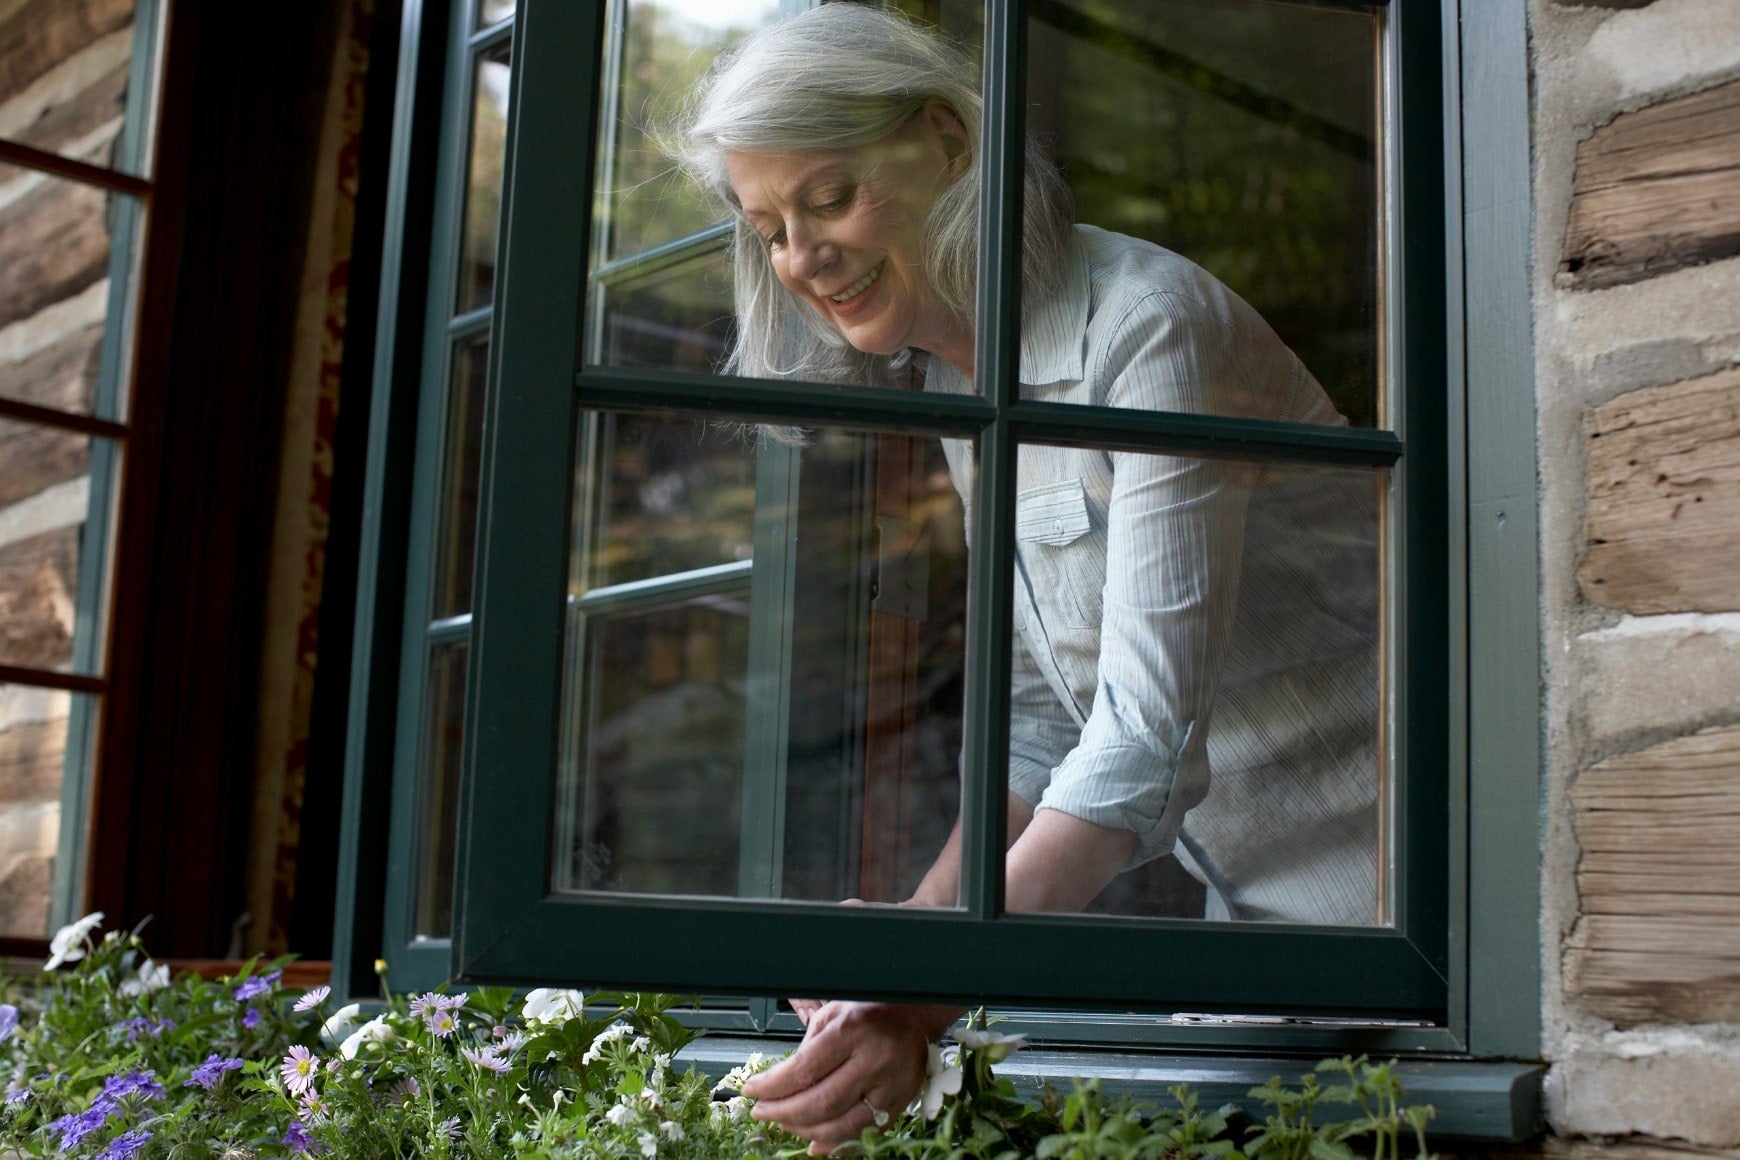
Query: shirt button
x: 1057, y: 527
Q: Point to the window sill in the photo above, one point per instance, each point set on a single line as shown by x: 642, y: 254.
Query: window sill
x: 1489, y: 1101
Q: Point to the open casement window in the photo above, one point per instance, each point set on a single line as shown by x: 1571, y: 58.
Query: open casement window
x: 742, y: 648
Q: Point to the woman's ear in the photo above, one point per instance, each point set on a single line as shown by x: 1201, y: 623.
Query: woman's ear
x: 951, y: 133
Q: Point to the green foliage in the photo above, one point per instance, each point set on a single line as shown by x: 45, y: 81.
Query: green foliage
x: 114, y: 1060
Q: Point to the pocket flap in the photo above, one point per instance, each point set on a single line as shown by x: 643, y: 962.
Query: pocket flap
x: 1053, y: 513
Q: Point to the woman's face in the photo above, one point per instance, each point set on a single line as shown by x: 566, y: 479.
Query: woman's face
x: 844, y: 229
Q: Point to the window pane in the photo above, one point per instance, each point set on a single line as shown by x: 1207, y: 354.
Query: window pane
x: 664, y: 47
x: 663, y: 496
x: 456, y: 530
x: 677, y: 318
x: 483, y: 183
x: 1244, y: 137
x: 784, y: 726
x: 56, y: 242
x: 65, y: 86
x: 438, y: 796
x: 33, y: 743
x: 46, y: 503
x: 1196, y: 663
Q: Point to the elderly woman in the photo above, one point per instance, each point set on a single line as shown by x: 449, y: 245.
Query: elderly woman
x: 1156, y: 591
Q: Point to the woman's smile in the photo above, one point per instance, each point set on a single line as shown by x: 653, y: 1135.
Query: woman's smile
x: 860, y: 285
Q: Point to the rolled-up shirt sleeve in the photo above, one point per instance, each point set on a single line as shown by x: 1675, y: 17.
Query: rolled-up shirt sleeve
x: 1172, y: 548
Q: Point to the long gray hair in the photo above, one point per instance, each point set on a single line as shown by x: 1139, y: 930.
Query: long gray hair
x: 840, y: 76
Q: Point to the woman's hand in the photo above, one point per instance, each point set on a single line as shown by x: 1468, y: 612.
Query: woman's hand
x: 856, y: 1059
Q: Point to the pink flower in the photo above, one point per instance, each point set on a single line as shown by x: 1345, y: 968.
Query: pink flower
x: 299, y: 1069
x: 312, y: 999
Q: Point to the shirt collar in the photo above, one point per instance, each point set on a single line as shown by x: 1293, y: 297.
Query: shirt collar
x: 1053, y: 337
x: 1054, y: 332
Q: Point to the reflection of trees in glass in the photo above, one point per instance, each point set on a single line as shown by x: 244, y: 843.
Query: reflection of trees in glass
x: 680, y: 495
x: 1241, y: 136
x: 483, y: 186
x: 663, y: 55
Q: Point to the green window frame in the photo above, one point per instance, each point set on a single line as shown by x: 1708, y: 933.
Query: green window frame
x: 1462, y: 954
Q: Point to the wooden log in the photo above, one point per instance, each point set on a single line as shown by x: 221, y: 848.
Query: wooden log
x: 33, y: 458
x: 54, y: 243
x: 62, y: 375
x: 84, y: 126
x: 1654, y: 191
x: 38, y: 588
x: 1658, y: 936
x: 31, y: 754
x: 1662, y: 528
x: 42, y: 33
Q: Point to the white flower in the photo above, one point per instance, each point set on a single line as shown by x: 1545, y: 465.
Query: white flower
x: 673, y: 1131
x: 152, y: 976
x: 738, y: 1076
x: 941, y: 1078
x: 649, y: 1145
x: 619, y: 1114
x: 68, y: 943
x: 340, y: 1023
x: 375, y: 1031
x: 312, y: 999
x: 553, y: 1005
x: 997, y: 1047
x: 609, y: 1035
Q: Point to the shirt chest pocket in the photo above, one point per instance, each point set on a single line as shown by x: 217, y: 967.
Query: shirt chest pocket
x: 1065, y: 557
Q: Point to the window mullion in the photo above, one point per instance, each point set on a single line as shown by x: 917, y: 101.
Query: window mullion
x: 997, y: 361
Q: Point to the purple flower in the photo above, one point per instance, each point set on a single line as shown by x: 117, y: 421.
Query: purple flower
x: 488, y: 1060
x: 211, y: 1073
x: 118, y: 1087
x: 125, y: 1146
x: 255, y: 987
x: 13, y: 1099
x: 298, y: 1137
x: 75, y: 1127
x: 8, y: 1021
x: 252, y: 1019
x: 441, y: 1021
x: 312, y: 999
x: 142, y: 1026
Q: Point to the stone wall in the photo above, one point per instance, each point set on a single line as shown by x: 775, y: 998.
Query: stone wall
x: 1637, y: 331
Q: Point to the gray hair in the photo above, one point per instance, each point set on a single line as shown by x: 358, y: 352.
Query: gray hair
x: 840, y: 76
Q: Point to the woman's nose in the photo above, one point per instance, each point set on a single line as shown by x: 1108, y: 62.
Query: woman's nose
x: 810, y: 253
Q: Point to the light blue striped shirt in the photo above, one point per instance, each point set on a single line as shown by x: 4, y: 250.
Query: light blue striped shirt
x: 1196, y: 653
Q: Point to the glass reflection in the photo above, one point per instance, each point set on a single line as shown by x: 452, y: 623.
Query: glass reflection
x: 773, y: 711
x: 456, y: 528
x: 1196, y: 675
x: 34, y: 725
x: 80, y: 112
x: 57, y: 241
x: 47, y: 478
x: 438, y: 789
x: 484, y: 178
x: 1243, y: 136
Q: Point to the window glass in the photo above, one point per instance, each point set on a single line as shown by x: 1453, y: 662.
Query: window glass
x: 675, y: 318
x: 1241, y: 136
x: 64, y: 89
x: 34, y: 726
x: 456, y: 533
x: 57, y: 241
x: 443, y: 731
x: 494, y: 12
x: 1196, y: 662
x: 483, y: 177
x: 776, y: 720
x: 46, y: 501
x: 662, y: 47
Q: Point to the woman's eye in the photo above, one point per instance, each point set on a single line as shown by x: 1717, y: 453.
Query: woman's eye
x: 834, y: 202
